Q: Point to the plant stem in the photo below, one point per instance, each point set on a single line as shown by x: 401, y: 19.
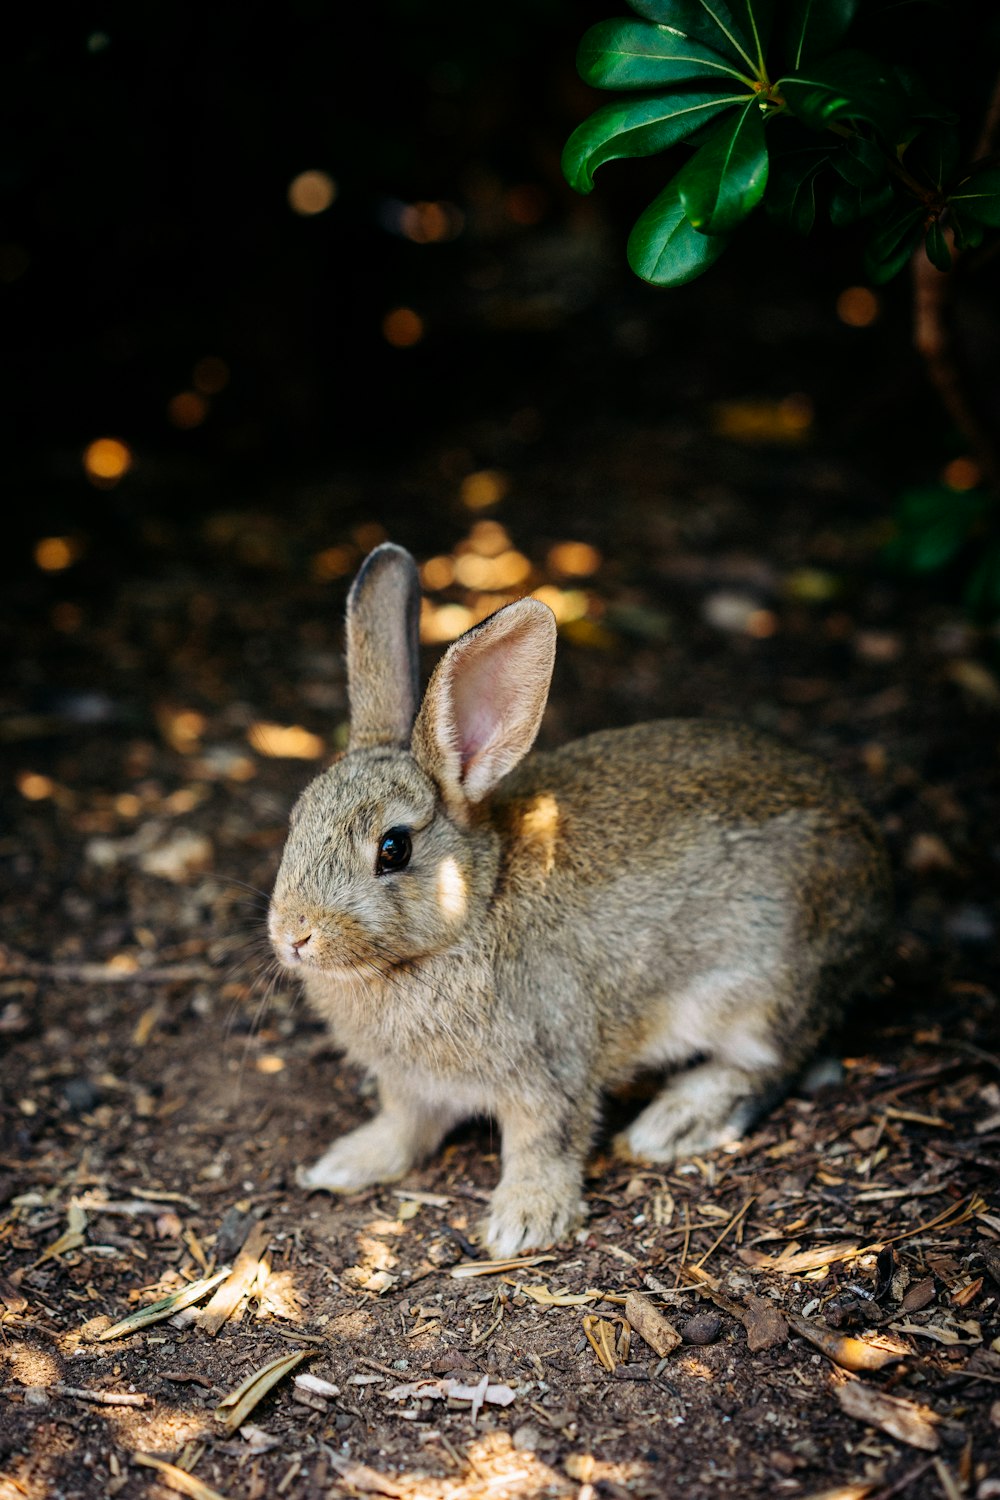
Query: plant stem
x: 934, y: 333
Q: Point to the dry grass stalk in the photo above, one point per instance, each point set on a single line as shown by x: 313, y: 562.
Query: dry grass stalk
x: 165, y: 1308
x: 234, y: 1409
x: 178, y: 1479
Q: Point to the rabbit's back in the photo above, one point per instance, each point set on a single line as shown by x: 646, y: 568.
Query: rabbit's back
x: 694, y: 873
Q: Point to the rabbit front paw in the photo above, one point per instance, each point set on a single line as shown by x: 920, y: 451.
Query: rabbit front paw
x: 530, y: 1215
x: 375, y: 1152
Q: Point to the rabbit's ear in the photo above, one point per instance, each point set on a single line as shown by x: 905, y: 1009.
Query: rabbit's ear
x: 383, y: 614
x: 485, y: 702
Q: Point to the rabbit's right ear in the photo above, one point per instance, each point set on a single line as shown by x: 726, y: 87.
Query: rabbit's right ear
x: 383, y: 614
x: 485, y: 702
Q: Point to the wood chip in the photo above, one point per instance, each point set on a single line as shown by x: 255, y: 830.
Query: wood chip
x: 650, y: 1324
x: 903, y: 1420
x: 360, y: 1477
x: 238, y: 1283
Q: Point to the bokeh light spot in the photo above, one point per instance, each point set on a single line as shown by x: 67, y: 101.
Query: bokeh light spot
x: 106, y: 460
x: 574, y: 559
x: 961, y: 474
x: 210, y: 375
x: 431, y: 223
x: 857, y: 306
x: 54, y: 553
x: 285, y: 741
x: 482, y: 489
x: 402, y: 328
x: 437, y: 573
x: 35, y: 787
x: 187, y: 410
x: 311, y: 193
x: 444, y: 622
x: 333, y: 562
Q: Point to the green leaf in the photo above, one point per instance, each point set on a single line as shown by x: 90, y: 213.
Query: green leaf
x: 755, y: 18
x: 635, y: 55
x: 814, y: 27
x: 791, y: 187
x: 846, y: 86
x: 636, y: 127
x: 937, y: 247
x: 969, y: 233
x: 665, y: 248
x: 892, y: 243
x: 708, y: 21
x: 932, y: 526
x: 978, y: 197
x: 859, y: 161
x: 933, y: 155
x: 725, y: 180
x: 850, y: 203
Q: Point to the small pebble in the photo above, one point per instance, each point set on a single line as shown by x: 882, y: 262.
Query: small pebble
x: 527, y: 1437
x: 80, y: 1095
x: 703, y: 1328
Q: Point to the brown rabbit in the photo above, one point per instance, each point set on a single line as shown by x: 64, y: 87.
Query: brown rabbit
x: 489, y: 937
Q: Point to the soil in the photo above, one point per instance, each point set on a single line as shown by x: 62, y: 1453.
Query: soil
x: 163, y: 708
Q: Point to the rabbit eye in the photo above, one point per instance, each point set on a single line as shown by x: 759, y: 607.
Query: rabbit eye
x: 394, y: 851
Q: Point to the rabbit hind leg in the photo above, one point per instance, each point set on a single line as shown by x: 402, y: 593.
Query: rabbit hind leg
x: 711, y: 1104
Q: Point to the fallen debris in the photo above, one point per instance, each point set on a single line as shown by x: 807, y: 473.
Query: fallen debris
x: 650, y: 1324
x: 852, y: 1354
x: 234, y: 1408
x: 903, y: 1420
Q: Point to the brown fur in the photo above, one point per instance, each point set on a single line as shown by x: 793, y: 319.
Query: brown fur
x: 680, y: 894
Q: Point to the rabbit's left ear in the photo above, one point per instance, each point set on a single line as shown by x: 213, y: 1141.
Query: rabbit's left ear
x: 485, y: 702
x: 383, y: 613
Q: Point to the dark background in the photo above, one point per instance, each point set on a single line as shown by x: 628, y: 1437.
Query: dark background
x: 147, y: 227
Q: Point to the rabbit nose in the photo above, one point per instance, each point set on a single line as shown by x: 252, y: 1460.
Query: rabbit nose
x: 301, y: 942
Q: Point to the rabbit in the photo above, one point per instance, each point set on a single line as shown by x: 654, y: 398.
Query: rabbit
x: 490, y: 934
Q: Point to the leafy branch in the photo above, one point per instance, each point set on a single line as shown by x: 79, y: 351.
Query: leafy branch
x: 780, y: 113
x: 775, y: 108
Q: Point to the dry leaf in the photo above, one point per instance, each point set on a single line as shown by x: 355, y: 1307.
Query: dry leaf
x: 165, y: 1308
x: 360, y: 1477
x: 918, y: 1296
x: 850, y: 1353
x: 903, y: 1420
x: 494, y: 1267
x: 794, y: 1263
x: 546, y: 1298
x: 765, y: 1324
x: 234, y: 1408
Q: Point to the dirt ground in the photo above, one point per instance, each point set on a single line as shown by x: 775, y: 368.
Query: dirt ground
x: 833, y: 1281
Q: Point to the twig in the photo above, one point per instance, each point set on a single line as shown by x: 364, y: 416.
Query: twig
x: 933, y: 326
x: 77, y: 1393
x: 904, y: 1481
x: 720, y: 1237
x: 15, y: 966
